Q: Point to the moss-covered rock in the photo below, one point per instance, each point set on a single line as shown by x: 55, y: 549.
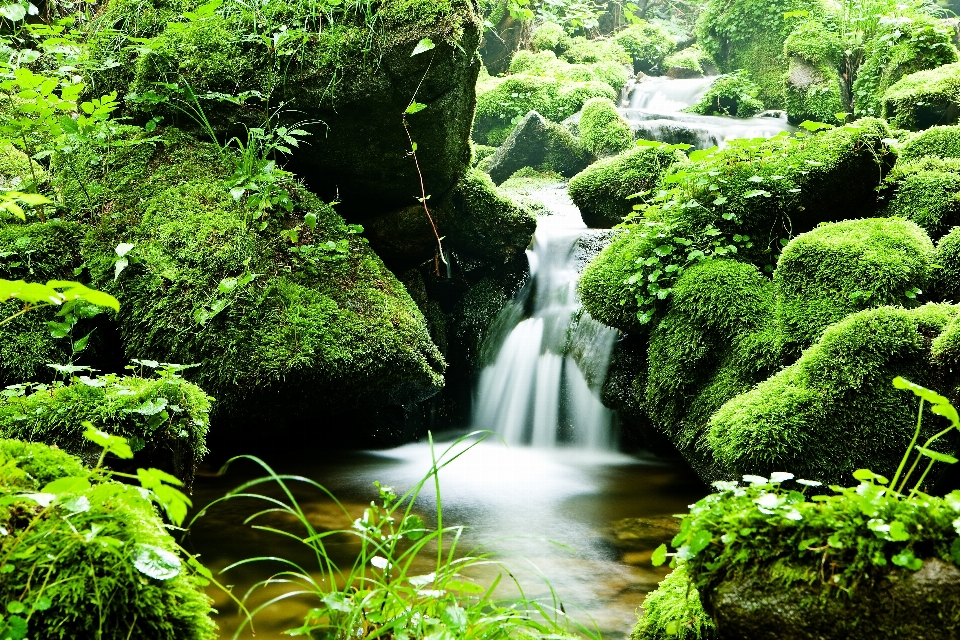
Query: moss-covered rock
x: 946, y: 278
x: 749, y: 35
x: 18, y: 172
x: 542, y: 145
x: 549, y: 36
x: 476, y: 221
x: 582, y: 50
x: 338, y: 79
x: 322, y: 322
x: 834, y: 410
x: 91, y: 579
x: 841, y: 268
x: 674, y: 611
x: 647, y: 43
x: 547, y: 64
x: 164, y: 418
x: 924, y: 99
x: 692, y: 62
x: 733, y: 94
x: 940, y: 142
x: 602, y: 129
x: 602, y: 190
x: 902, y: 47
x: 929, y: 198
x: 504, y: 102
x: 813, y: 88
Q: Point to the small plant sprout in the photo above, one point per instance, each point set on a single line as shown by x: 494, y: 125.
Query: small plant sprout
x: 940, y: 406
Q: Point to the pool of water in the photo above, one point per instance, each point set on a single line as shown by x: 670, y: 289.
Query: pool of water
x: 584, y: 521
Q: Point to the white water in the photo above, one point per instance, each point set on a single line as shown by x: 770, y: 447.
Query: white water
x: 655, y: 106
x: 534, y: 391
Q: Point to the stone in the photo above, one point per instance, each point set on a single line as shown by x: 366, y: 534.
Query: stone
x: 540, y: 144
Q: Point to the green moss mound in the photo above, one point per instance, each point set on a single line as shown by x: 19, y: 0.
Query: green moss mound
x: 903, y: 47
x: 838, y: 269
x: 585, y: 51
x: 946, y: 279
x: 674, y: 611
x: 692, y: 58
x: 815, y: 43
x: 813, y: 88
x: 164, y: 417
x: 322, y: 322
x: 80, y: 559
x: 647, y: 44
x: 924, y: 99
x: 505, y: 102
x: 539, y: 144
x: 546, y: 64
x: 929, y: 198
x: 941, y: 142
x: 602, y: 129
x: 602, y: 190
x: 549, y: 36
x: 730, y: 95
x: 811, y: 417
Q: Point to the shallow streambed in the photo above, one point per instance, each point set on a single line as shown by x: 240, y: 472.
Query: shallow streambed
x: 558, y: 513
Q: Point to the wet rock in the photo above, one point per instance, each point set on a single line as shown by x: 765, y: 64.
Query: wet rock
x: 590, y: 243
x: 540, y: 144
x: 922, y: 605
x: 813, y: 92
x: 674, y: 132
x: 924, y: 99
x: 642, y: 534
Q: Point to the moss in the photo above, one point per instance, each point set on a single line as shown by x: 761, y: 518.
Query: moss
x: 841, y: 268
x: 730, y: 95
x: 834, y: 410
x: 97, y: 590
x: 929, y: 198
x: 542, y: 145
x: 675, y: 602
x: 602, y: 129
x: 711, y: 346
x: 693, y: 58
x: 814, y: 43
x: 546, y: 64
x: 549, y: 36
x: 941, y: 142
x: 502, y: 106
x: 813, y: 92
x: 602, y: 190
x: 924, y: 99
x: 750, y: 35
x: 647, y: 44
x: 946, y: 278
x: 328, y: 324
x: 481, y: 152
x: 177, y: 426
x: 584, y: 51
x: 18, y: 172
x: 37, y: 252
x: 903, y: 47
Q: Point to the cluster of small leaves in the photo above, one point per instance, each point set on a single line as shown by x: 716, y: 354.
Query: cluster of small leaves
x: 308, y: 256
x: 838, y: 539
x: 226, y: 293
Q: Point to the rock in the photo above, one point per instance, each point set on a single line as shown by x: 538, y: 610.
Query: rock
x: 812, y: 92
x: 921, y: 605
x: 503, y: 38
x: 323, y: 322
x: 940, y: 142
x: 602, y: 129
x: 924, y: 99
x: 341, y: 85
x: 682, y: 73
x: 931, y: 198
x: 692, y: 62
x: 542, y: 145
x: 732, y: 94
x: 476, y: 221
x: 674, y: 132
x: 648, y: 44
x: 602, y: 190
x: 946, y: 279
x: 589, y: 245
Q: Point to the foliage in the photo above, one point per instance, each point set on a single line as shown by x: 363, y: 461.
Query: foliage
x: 375, y: 595
x: 550, y: 36
x: 602, y: 129
x: 730, y: 95
x: 674, y: 610
x: 815, y: 43
x: 546, y: 64
x: 923, y: 99
x: 647, y: 43
x: 693, y: 58
x: 85, y: 556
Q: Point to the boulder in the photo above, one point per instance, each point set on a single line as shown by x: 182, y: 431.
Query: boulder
x: 732, y: 94
x: 946, y: 279
x: 674, y: 132
x: 921, y: 605
x: 940, y: 142
x: 602, y: 190
x: 931, y: 198
x: 647, y: 44
x: 924, y: 99
x: 542, y: 145
x: 504, y: 36
x: 347, y: 83
x: 602, y: 129
x: 692, y: 62
x: 812, y: 92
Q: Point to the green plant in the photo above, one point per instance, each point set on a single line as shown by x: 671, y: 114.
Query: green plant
x: 375, y: 595
x: 733, y: 94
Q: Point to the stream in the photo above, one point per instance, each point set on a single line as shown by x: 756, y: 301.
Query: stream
x: 550, y: 495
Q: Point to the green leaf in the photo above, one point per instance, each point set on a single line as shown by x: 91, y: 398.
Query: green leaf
x: 415, y: 107
x: 422, y: 47
x: 756, y: 192
x: 15, y: 606
x: 72, y: 484
x: 936, y: 455
x: 659, y: 555
x: 463, y: 586
x: 156, y: 562
x: 111, y: 444
x: 700, y: 540
x: 898, y: 531
x: 930, y: 396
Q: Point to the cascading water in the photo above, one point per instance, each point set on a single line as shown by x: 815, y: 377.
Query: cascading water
x: 542, y: 387
x: 654, y: 107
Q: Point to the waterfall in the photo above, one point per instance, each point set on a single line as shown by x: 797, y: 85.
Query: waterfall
x: 542, y: 385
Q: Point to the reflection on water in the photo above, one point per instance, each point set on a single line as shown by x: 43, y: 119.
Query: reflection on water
x: 555, y: 513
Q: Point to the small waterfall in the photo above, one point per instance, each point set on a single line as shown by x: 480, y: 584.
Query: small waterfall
x: 542, y: 386
x: 654, y: 108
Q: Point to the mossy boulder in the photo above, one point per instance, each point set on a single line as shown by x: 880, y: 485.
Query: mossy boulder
x: 602, y: 129
x: 338, y: 80
x: 165, y: 419
x: 940, y: 142
x: 601, y: 191
x: 730, y: 95
x: 542, y: 145
x: 902, y: 47
x: 547, y: 64
x: 924, y: 99
x: 813, y: 88
x: 835, y: 409
x: 503, y: 102
x: 647, y: 44
x: 18, y: 172
x: 322, y: 321
x: 476, y: 222
x: 928, y: 197
x: 946, y: 279
x: 582, y: 50
x: 91, y: 579
x: 549, y: 36
x: 692, y: 62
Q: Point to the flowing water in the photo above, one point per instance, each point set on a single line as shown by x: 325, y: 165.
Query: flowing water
x: 654, y: 107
